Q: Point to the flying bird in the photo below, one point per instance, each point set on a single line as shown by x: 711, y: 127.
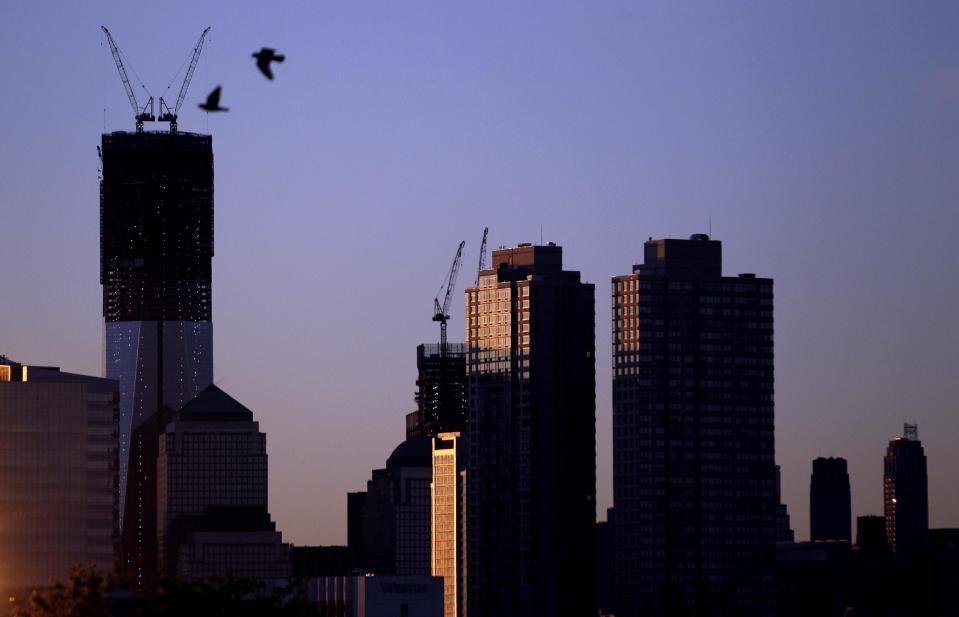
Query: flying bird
x: 263, y: 59
x: 213, y: 101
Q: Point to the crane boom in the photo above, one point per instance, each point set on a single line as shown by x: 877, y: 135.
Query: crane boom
x: 170, y: 115
x: 139, y: 114
x: 441, y: 311
x: 482, y: 255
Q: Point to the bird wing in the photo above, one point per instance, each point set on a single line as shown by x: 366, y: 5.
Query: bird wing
x: 213, y: 100
x: 263, y: 63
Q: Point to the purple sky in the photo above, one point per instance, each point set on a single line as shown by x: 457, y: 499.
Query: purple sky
x: 820, y: 138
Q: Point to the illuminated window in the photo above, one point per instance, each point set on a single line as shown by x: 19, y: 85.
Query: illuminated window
x: 4, y: 372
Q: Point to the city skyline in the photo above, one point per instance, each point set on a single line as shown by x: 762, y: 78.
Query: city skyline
x: 863, y: 330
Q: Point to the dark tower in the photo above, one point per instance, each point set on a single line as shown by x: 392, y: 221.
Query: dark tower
x: 531, y: 443
x: 694, y: 476
x: 906, y: 495
x: 156, y: 250
x: 830, y: 516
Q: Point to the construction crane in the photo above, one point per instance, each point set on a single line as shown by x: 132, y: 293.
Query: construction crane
x: 171, y: 115
x: 140, y: 115
x: 441, y: 311
x: 482, y: 256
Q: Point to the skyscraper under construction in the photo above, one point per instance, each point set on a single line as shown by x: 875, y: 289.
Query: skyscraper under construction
x: 156, y: 250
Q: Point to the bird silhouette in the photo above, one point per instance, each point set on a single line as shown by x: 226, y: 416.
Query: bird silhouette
x: 263, y: 59
x: 213, y: 101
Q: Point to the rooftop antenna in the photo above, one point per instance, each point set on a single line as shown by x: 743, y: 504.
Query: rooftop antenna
x: 910, y: 431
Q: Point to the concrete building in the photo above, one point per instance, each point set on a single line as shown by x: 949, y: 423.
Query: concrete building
x: 448, y: 516
x: 391, y: 519
x: 377, y: 596
x: 156, y: 250
x: 59, y: 472
x: 694, y: 475
x: 830, y: 510
x: 906, y: 495
x: 212, y: 493
x: 531, y: 443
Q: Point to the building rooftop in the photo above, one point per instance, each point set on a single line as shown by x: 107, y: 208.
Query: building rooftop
x: 216, y: 405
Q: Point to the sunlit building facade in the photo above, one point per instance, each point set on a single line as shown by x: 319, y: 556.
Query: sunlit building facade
x: 531, y: 443
x: 156, y: 250
x: 448, y: 511
x: 59, y: 472
x: 694, y: 475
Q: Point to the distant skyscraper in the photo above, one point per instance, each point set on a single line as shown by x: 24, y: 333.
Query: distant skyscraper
x: 440, y: 390
x: 784, y: 532
x: 58, y: 470
x: 212, y: 493
x: 906, y: 494
x: 448, y: 513
x: 531, y: 463
x: 156, y: 249
x: 393, y: 514
x: 694, y: 476
x: 830, y: 516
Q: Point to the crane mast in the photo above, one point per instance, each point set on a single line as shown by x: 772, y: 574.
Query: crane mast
x: 441, y: 310
x: 140, y: 115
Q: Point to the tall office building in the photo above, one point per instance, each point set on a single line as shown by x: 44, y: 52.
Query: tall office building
x: 906, y: 494
x: 212, y: 493
x: 531, y: 441
x: 830, y: 514
x: 58, y: 468
x: 440, y: 390
x: 389, y: 523
x: 448, y: 512
x: 156, y: 250
x: 694, y: 476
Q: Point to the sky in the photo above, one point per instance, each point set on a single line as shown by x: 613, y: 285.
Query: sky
x: 818, y: 140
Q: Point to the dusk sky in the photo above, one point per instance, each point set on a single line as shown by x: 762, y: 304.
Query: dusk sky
x: 821, y: 139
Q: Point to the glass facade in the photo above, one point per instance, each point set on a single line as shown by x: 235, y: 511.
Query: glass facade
x: 156, y: 250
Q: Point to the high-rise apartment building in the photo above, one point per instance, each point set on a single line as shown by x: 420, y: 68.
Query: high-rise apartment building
x: 448, y: 512
x: 156, y: 250
x: 389, y: 523
x: 531, y: 443
x: 906, y: 495
x: 212, y: 492
x: 694, y: 476
x: 59, y: 472
x: 440, y: 390
x: 830, y: 514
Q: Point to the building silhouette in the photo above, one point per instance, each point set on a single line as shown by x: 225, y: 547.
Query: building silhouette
x: 694, y: 477
x: 830, y: 514
x: 212, y: 494
x: 388, y: 525
x: 906, y: 495
x: 440, y: 390
x: 448, y: 514
x: 531, y: 462
x: 156, y: 250
x: 59, y: 472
